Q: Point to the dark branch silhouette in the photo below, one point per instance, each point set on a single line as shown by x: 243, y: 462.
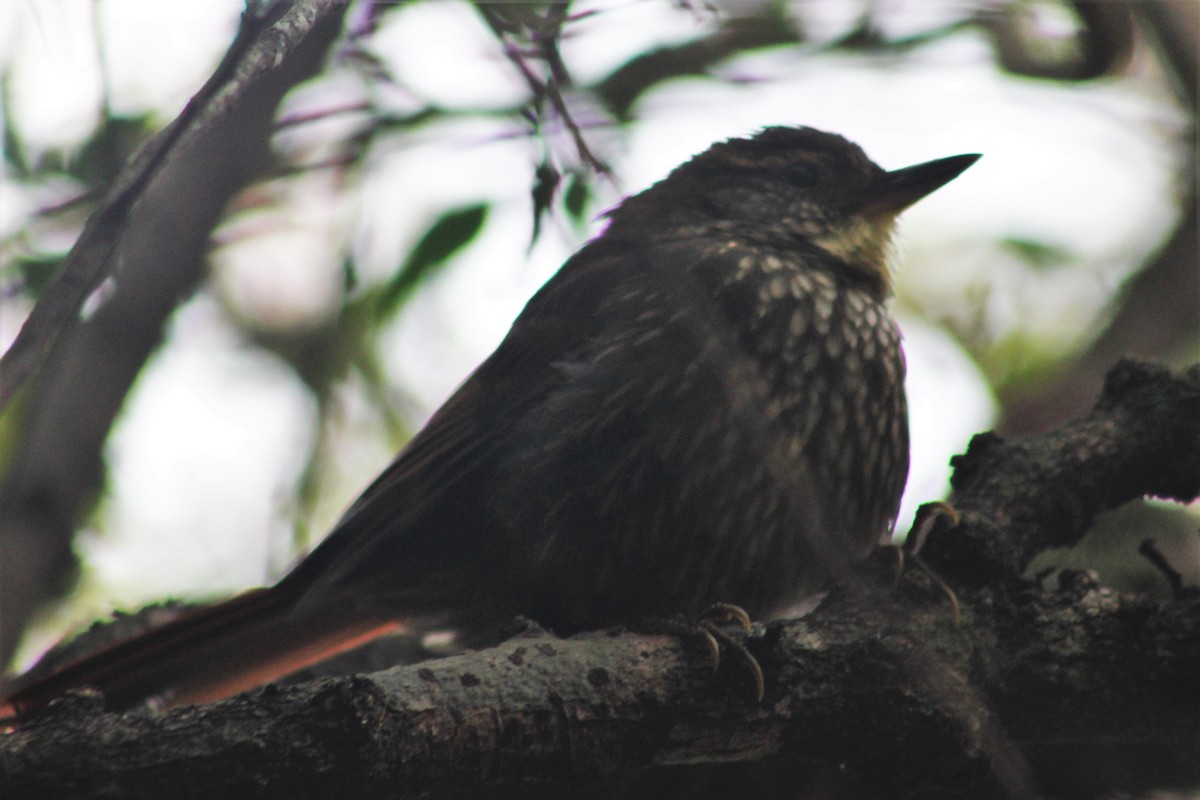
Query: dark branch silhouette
x: 1069, y: 692
x: 150, y: 238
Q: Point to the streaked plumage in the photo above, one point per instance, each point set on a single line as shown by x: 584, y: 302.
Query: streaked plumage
x: 706, y: 404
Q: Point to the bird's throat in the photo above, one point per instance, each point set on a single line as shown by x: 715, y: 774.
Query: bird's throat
x: 864, y: 244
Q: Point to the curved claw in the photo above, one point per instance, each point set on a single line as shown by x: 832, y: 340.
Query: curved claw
x: 714, y: 647
x: 756, y: 670
x: 689, y: 632
x: 728, y: 612
x: 927, y: 518
x: 947, y: 592
x: 709, y: 632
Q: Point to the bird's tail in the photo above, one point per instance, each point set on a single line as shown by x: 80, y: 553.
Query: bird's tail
x: 205, y: 654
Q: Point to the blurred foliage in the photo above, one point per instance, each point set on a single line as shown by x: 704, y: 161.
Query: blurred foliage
x: 453, y: 231
x: 576, y: 198
x: 1110, y: 550
x: 570, y: 125
x: 107, y: 151
x: 34, y: 272
x: 1039, y: 254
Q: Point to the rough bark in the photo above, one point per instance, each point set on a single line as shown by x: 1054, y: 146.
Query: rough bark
x: 1070, y: 690
x: 150, y: 238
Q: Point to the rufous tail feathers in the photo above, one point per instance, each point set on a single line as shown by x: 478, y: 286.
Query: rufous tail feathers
x: 205, y: 654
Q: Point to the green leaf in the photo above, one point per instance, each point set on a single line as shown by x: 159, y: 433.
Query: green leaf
x: 575, y: 199
x: 453, y: 231
x: 109, y: 148
x: 13, y: 146
x: 1038, y: 254
x: 545, y: 183
x: 34, y: 272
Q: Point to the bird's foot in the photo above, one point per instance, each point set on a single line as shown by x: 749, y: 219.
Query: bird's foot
x: 710, y: 631
x: 928, y: 517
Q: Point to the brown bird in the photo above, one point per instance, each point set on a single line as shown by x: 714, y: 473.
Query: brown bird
x: 705, y: 405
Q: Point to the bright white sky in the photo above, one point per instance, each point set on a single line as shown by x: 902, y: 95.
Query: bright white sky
x: 212, y: 436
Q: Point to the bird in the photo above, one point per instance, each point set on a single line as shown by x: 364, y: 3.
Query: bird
x: 704, y: 405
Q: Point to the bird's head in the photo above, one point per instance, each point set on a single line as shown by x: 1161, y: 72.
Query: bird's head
x: 795, y: 183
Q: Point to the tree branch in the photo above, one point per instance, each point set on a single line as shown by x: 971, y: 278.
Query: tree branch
x: 154, y: 225
x: 1072, y: 693
x: 852, y: 685
x: 1020, y: 496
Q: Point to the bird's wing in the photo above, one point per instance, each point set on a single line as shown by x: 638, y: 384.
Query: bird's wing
x: 430, y: 501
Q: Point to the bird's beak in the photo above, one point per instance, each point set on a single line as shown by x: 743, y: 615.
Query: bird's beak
x: 899, y: 189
